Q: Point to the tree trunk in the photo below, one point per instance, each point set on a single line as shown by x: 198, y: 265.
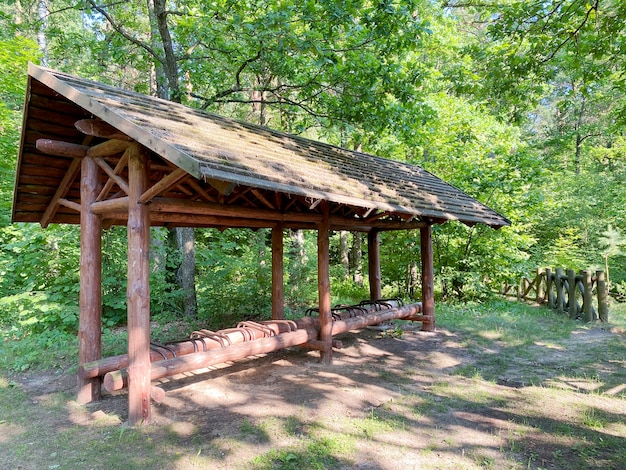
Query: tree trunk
x: 344, y: 253
x: 357, y: 258
x: 169, y: 63
x: 158, y: 80
x: 413, y: 279
x: 579, y: 138
x: 167, y: 85
x: 186, y: 272
x: 42, y: 41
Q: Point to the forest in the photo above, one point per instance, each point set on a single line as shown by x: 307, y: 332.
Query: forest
x: 519, y: 103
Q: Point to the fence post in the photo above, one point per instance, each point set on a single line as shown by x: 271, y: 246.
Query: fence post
x: 603, y: 303
x: 558, y: 280
x: 587, y: 297
x: 539, y: 297
x: 571, y: 294
x: 549, y: 294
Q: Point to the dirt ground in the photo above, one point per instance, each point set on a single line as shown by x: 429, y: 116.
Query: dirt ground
x: 386, y: 402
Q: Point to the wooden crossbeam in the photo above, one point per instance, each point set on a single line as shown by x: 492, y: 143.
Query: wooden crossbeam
x: 123, y: 161
x: 105, y: 208
x: 70, y: 204
x: 199, y: 208
x: 111, y: 174
x: 163, y: 185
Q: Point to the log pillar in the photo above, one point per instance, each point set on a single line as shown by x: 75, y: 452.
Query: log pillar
x: 138, y: 290
x: 587, y: 296
x: 549, y: 292
x: 560, y: 291
x: 603, y: 296
x: 540, y: 294
x: 278, y: 288
x: 428, y: 276
x: 572, y: 308
x: 90, y: 301
x: 323, y: 285
x: 373, y: 258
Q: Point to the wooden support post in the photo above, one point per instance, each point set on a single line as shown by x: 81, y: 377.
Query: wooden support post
x: 603, y: 299
x: 571, y: 294
x: 558, y: 282
x: 373, y: 258
x: 428, y: 277
x: 549, y: 294
x: 323, y: 285
x: 138, y: 290
x: 587, y: 297
x: 89, y: 323
x: 278, y: 288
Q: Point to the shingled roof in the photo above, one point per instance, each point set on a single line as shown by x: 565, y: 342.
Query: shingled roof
x: 232, y: 162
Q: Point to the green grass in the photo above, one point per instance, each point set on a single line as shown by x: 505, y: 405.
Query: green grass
x: 518, y: 379
x: 504, y: 322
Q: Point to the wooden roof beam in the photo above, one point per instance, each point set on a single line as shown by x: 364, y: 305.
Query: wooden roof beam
x: 61, y: 149
x: 263, y: 199
x: 200, y: 190
x: 198, y: 208
x: 108, y: 148
x: 99, y: 128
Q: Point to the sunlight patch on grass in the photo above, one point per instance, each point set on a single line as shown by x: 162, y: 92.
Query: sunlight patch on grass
x: 550, y: 345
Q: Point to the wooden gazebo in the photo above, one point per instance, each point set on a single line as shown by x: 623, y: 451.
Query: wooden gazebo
x: 96, y: 155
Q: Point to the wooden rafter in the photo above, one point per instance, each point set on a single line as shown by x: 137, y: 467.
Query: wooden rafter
x: 196, y: 187
x: 108, y: 148
x: 64, y: 186
x: 259, y: 195
x: 163, y: 185
x: 99, y: 128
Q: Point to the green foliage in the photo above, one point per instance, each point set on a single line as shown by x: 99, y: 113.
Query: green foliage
x: 39, y: 281
x: 234, y: 273
x: 14, y: 56
x: 520, y: 104
x: 20, y: 351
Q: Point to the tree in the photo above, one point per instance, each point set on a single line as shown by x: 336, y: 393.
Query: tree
x: 611, y: 243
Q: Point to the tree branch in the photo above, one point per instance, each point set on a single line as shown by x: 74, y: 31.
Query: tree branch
x: 569, y: 37
x: 123, y: 33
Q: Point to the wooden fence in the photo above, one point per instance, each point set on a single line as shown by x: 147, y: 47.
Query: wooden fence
x: 583, y: 295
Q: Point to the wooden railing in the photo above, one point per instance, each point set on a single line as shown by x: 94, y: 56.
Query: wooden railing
x: 583, y: 295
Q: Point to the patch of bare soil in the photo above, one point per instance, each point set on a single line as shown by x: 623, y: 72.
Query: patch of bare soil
x: 386, y: 402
